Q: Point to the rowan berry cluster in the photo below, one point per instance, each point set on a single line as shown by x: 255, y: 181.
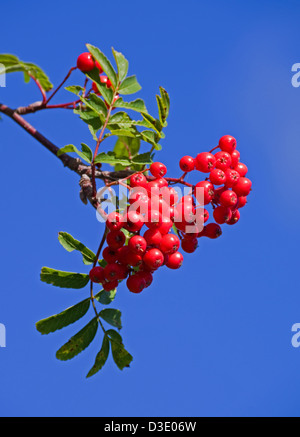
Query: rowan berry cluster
x: 155, y: 204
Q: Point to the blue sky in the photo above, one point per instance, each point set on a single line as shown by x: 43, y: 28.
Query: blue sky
x: 213, y: 338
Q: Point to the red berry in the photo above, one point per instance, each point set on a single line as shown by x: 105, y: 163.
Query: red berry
x: 114, y: 221
x: 223, y: 160
x: 110, y: 255
x: 169, y: 195
x: 139, y: 200
x: 96, y: 274
x: 108, y: 83
x: 115, y: 239
x: 123, y: 255
x: 243, y: 187
x: 189, y: 245
x: 204, y: 192
x: 175, y: 260
x: 153, y: 219
x: 241, y: 168
x: 169, y: 243
x: 205, y: 162
x: 212, y: 230
x: 161, y: 183
x: 135, y: 283
x: 218, y: 192
x: 242, y: 200
x: 147, y: 276
x: 187, y: 163
x: 153, y: 237
x: 95, y: 88
x: 228, y: 198
x: 133, y: 259
x: 232, y: 177
x: 123, y: 271
x: 138, y: 180
x: 158, y: 204
x: 137, y: 244
x: 103, y: 79
x: 235, y: 157
x: 227, y: 143
x: 201, y: 216
x: 235, y: 217
x: 116, y: 98
x: 158, y: 169
x: 99, y: 67
x: 85, y: 62
x: 222, y: 214
x: 217, y: 176
x: 108, y: 286
x: 165, y: 225
x: 112, y: 272
x: 153, y: 259
x: 185, y: 211
x: 133, y: 221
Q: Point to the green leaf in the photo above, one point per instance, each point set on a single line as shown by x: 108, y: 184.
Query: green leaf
x: 150, y: 137
x: 166, y: 100
x: 106, y: 297
x: 70, y: 244
x: 121, y: 357
x: 153, y: 123
x: 111, y: 316
x: 143, y: 158
x: 75, y: 89
x: 92, y: 119
x: 123, y: 132
x: 78, y: 342
x: 122, y: 64
x: 136, y: 105
x: 87, y: 151
x: 107, y: 93
x: 65, y: 318
x: 163, y: 103
x: 96, y: 104
x: 101, y: 357
x: 64, y: 279
x: 126, y: 146
x: 129, y: 86
x: 111, y: 158
x: 7, y: 59
x: 13, y: 64
x: 105, y: 64
x: 86, y: 154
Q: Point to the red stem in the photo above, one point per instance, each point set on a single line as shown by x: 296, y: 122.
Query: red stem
x: 40, y: 88
x: 63, y: 105
x: 213, y: 149
x: 59, y: 86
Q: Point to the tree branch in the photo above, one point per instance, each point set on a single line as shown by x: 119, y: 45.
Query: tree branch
x: 74, y: 164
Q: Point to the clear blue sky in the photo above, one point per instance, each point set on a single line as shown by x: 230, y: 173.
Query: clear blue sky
x: 213, y: 338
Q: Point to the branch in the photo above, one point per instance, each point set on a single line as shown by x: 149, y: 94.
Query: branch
x: 74, y: 164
